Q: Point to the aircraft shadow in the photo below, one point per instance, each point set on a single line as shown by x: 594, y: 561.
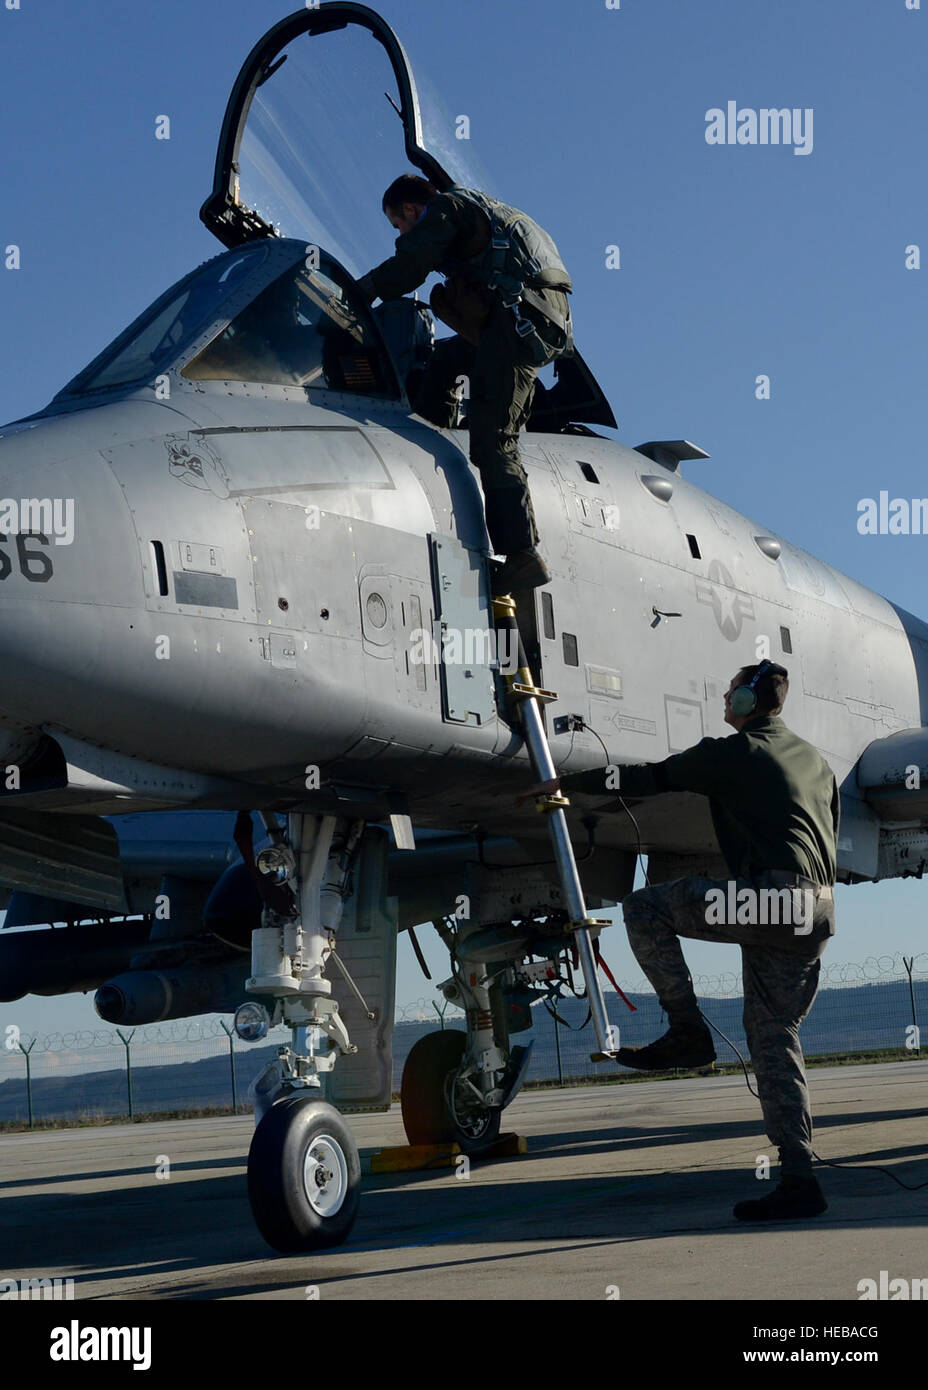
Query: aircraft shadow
x: 147, y: 1168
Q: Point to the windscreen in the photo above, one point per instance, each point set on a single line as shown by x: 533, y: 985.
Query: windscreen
x: 152, y: 342
x: 309, y: 328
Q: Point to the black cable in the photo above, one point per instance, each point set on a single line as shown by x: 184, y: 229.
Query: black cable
x: 563, y: 1021
x: 414, y: 942
x: 624, y: 806
x: 872, y: 1168
x: 828, y: 1162
x: 734, y: 1050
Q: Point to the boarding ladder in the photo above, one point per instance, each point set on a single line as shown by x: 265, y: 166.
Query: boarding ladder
x: 528, y: 698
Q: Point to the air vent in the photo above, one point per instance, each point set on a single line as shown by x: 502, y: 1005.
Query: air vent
x: 768, y: 546
x: 159, y: 567
x: 661, y: 488
x: 547, y: 615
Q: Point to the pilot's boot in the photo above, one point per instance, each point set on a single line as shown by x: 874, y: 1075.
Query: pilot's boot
x: 511, y: 524
x: 524, y: 570
x: 794, y: 1198
x: 683, y: 1045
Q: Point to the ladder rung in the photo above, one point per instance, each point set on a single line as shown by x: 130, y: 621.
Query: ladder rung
x: 531, y: 692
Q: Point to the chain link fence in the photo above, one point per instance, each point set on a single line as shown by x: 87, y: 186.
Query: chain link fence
x: 198, y: 1065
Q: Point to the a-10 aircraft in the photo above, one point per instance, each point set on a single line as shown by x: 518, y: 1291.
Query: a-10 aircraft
x: 277, y: 600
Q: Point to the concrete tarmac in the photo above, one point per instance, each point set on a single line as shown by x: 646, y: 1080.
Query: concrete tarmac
x: 626, y: 1188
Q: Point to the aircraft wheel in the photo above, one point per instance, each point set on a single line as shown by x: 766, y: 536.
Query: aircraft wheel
x: 425, y: 1091
x: 304, y: 1175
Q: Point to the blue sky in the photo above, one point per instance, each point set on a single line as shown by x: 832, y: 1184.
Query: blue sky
x: 735, y: 260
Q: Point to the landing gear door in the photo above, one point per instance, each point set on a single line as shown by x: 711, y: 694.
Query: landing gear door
x: 366, y: 945
x: 323, y: 116
x: 465, y: 638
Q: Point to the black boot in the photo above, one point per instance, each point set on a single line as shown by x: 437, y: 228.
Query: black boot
x: 683, y: 1045
x: 794, y: 1199
x: 524, y: 570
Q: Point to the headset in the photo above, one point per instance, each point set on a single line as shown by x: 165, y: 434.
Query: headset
x: 743, y: 699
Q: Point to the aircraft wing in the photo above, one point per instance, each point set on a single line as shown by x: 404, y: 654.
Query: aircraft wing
x: 68, y: 775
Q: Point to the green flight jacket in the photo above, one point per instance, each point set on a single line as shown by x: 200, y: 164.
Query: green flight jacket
x: 450, y: 227
x: 774, y: 799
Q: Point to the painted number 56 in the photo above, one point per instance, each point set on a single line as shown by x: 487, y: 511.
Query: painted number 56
x: 34, y: 564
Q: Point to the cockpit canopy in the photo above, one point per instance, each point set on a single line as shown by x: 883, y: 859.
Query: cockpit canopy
x: 309, y: 328
x: 322, y: 117
x: 265, y: 313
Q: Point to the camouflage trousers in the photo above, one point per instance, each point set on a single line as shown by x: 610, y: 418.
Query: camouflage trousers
x: 780, y: 970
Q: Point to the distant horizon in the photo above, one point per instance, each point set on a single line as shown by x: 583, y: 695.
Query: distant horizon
x: 835, y: 1027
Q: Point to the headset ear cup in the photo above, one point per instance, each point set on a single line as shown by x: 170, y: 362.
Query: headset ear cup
x: 742, y: 701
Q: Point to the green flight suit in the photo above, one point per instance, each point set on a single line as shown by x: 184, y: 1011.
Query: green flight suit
x: 773, y: 797
x: 501, y: 373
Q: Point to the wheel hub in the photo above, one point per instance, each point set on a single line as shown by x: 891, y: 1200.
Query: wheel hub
x: 472, y: 1118
x: 325, y: 1175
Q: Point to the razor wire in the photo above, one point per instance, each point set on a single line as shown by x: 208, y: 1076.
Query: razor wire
x: 883, y: 969
x: 179, y: 1030
x: 873, y: 970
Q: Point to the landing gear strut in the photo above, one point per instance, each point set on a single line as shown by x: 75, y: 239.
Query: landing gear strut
x: 303, y: 1166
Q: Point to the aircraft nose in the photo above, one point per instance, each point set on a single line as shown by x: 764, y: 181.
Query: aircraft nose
x: 69, y: 571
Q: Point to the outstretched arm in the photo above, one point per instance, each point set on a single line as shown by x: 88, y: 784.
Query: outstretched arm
x: 418, y: 252
x: 705, y: 768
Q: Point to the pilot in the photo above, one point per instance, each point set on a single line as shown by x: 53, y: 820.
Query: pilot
x: 506, y: 298
x: 775, y: 808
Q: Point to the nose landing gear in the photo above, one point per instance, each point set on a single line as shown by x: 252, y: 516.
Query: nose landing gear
x: 304, y: 1175
x: 304, y: 1171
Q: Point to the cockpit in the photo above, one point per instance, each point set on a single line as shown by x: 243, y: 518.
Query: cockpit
x: 309, y: 328
x: 266, y: 314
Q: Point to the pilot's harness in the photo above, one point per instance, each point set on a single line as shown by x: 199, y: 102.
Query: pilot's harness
x: 520, y: 258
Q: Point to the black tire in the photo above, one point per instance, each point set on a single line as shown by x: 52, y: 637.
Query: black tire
x: 280, y: 1164
x: 426, y: 1117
